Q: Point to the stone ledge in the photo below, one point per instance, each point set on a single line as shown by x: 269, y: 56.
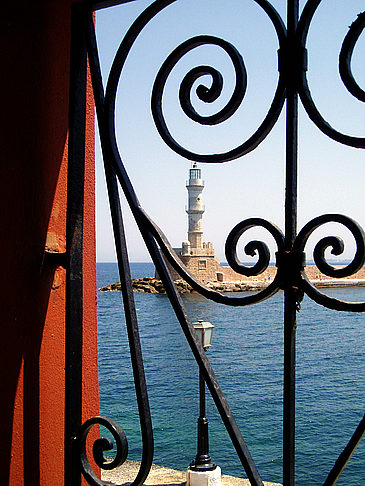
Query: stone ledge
x: 125, y: 474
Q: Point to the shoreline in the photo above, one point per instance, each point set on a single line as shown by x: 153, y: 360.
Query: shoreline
x: 318, y: 280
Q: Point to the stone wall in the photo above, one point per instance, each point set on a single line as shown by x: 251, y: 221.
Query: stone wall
x: 207, y: 268
x: 232, y: 276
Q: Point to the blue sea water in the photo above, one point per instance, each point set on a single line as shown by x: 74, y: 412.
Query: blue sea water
x: 247, y: 357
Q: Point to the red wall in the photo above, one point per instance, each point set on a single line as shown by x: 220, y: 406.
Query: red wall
x: 35, y: 39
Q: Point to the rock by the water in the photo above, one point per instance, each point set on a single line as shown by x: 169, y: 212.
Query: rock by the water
x: 148, y: 285
x: 152, y: 285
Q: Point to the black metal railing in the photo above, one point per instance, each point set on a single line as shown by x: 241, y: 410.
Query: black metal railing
x: 290, y: 257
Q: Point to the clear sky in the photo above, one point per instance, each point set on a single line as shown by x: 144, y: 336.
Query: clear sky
x: 331, y: 176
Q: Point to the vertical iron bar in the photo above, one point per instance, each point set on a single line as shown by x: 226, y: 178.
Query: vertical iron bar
x: 132, y: 328
x: 123, y: 266
x: 291, y: 127
x: 290, y: 323
x: 74, y: 232
x: 289, y: 390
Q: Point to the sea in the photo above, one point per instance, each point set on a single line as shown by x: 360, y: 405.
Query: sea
x: 247, y: 358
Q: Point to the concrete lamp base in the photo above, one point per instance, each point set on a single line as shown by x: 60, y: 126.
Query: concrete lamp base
x: 204, y: 478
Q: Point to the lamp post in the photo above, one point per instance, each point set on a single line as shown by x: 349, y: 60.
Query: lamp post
x: 202, y: 461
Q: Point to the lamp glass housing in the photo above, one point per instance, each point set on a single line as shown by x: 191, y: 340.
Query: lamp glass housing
x: 204, y: 331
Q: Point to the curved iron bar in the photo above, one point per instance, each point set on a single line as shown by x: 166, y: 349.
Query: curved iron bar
x: 347, y: 49
x: 123, y: 52
x: 209, y: 95
x: 337, y: 248
x: 100, y: 446
x: 346, y: 454
x: 116, y: 70
x: 252, y: 247
x: 127, y: 292
x: 202, y: 360
x: 213, y: 295
x: 303, y: 88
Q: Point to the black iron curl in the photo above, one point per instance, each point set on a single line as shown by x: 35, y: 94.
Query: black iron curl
x: 345, y: 71
x: 334, y: 242
x: 253, y: 247
x: 347, y: 49
x: 100, y: 446
x: 337, y: 246
x: 209, y: 95
x: 204, y: 93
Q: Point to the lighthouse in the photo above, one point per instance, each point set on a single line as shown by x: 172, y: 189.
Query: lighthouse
x: 196, y: 254
x: 195, y: 208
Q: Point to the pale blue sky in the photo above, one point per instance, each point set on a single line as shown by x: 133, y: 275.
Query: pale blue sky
x: 331, y: 176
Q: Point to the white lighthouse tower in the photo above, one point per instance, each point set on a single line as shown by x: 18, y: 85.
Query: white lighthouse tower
x: 195, y: 209
x: 196, y: 254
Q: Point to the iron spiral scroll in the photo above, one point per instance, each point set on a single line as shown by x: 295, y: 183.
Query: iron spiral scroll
x: 100, y: 446
x: 290, y: 256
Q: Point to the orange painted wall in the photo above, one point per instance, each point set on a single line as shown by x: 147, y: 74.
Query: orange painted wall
x: 35, y: 36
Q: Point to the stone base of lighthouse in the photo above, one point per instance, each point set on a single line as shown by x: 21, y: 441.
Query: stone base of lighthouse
x: 203, y: 263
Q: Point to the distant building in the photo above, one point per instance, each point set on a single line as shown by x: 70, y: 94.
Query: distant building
x: 196, y: 254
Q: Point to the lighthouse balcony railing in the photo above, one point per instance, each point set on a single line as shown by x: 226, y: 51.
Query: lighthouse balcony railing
x: 195, y: 182
x: 197, y: 208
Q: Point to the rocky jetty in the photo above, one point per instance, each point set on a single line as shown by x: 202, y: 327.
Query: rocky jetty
x: 150, y: 285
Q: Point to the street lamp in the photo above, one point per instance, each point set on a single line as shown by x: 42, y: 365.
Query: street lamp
x: 204, y: 330
x: 202, y: 461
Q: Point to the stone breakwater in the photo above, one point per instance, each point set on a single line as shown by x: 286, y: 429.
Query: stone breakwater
x: 153, y: 286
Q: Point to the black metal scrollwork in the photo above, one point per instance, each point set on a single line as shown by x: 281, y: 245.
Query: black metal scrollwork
x: 347, y: 49
x: 345, y: 72
x: 100, y: 446
x: 337, y: 249
x: 289, y: 256
x: 205, y: 94
x: 210, y: 94
x: 252, y: 247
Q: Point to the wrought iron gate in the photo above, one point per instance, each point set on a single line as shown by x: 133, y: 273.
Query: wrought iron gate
x: 290, y: 257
